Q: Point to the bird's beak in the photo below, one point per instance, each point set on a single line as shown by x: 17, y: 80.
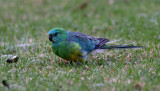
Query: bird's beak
x: 50, y: 37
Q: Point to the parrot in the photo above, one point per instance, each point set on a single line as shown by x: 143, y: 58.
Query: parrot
x: 76, y: 46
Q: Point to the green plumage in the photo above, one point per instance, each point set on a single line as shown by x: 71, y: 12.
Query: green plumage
x: 68, y: 51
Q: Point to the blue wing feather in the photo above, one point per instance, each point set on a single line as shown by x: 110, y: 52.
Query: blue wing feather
x: 88, y: 43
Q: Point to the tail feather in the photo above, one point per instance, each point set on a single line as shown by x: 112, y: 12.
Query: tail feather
x: 119, y: 47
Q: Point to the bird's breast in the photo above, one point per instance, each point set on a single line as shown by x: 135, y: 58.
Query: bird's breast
x: 68, y: 51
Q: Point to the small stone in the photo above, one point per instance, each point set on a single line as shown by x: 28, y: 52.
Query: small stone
x: 5, y: 83
x: 12, y: 59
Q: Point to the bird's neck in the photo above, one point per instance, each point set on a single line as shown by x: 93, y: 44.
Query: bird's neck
x: 55, y: 44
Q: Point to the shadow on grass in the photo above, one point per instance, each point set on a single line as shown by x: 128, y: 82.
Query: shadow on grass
x: 91, y: 62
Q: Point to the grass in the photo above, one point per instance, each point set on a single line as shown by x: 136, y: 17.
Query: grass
x: 28, y: 22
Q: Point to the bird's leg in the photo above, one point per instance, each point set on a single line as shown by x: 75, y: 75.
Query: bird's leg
x: 71, y: 62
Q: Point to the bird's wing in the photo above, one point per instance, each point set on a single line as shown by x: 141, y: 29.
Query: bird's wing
x: 88, y: 43
x: 102, y: 41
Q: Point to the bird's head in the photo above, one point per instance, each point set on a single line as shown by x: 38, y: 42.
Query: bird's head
x: 57, y: 35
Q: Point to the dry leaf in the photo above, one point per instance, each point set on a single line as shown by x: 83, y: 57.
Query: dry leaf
x: 139, y: 85
x: 84, y: 5
x: 111, y: 2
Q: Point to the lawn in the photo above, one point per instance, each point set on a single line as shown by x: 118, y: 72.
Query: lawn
x: 24, y: 26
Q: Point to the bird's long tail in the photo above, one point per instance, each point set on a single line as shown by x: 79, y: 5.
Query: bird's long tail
x: 118, y: 47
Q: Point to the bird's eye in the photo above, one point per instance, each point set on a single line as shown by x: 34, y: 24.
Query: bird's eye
x: 55, y: 34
